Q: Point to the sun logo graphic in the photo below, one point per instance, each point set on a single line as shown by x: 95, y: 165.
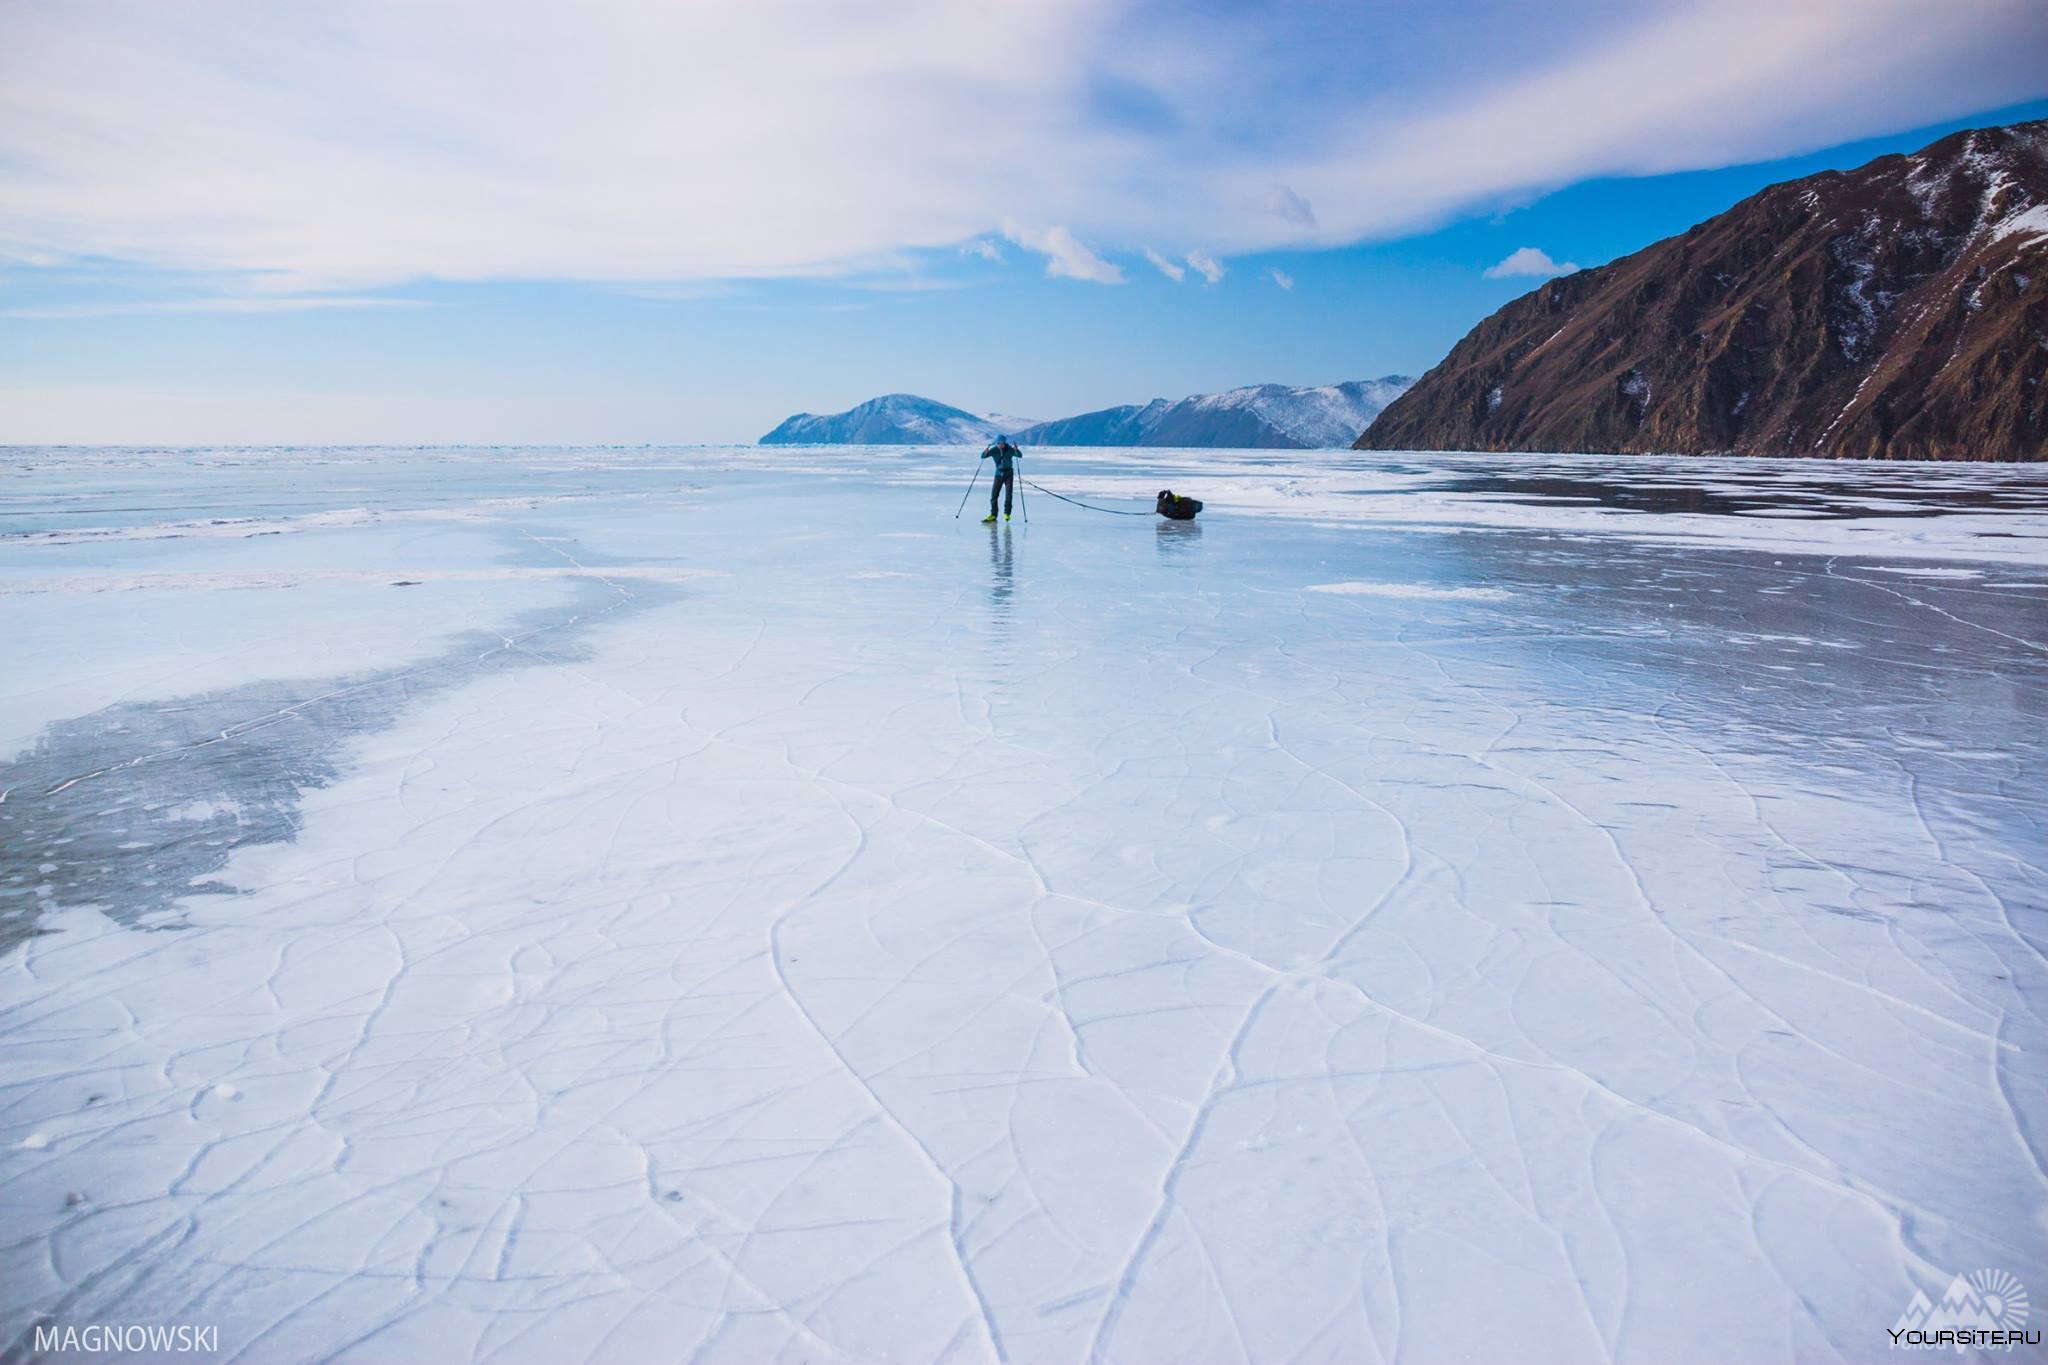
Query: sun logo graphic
x: 1983, y: 1308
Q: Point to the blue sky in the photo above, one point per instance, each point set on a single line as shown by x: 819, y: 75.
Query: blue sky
x: 230, y: 223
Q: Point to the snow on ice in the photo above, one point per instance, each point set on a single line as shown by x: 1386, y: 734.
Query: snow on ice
x: 566, y: 905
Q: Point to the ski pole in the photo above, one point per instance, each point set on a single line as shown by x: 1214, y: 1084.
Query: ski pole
x: 970, y: 491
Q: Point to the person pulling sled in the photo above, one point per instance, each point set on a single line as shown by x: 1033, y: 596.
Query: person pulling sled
x: 1174, y: 507
x: 1006, y: 456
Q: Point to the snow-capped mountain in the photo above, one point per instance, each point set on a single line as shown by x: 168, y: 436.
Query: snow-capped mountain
x: 896, y: 419
x: 1323, y: 417
x: 1268, y: 416
x: 1119, y: 426
x: 1895, y: 311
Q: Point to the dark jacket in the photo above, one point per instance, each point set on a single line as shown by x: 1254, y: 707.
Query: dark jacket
x: 1178, y: 508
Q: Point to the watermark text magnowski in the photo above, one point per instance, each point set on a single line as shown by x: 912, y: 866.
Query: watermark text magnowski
x: 134, y: 1338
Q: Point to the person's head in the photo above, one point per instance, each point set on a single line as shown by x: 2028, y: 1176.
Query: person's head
x: 1166, y: 495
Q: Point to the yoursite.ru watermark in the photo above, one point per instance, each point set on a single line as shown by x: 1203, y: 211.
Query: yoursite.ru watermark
x: 1985, y: 1310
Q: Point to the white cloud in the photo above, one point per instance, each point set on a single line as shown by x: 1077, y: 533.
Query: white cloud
x: 1704, y: 84
x: 1531, y: 263
x: 902, y: 284
x: 1205, y: 265
x: 984, y: 248
x: 1279, y: 277
x: 1173, y: 270
x: 1066, y: 256
x: 333, y: 148
x: 263, y: 304
x: 1289, y: 207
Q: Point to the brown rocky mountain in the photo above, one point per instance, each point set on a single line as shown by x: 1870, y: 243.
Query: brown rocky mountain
x: 1897, y: 311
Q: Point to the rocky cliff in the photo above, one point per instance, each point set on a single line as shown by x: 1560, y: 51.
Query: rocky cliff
x: 1896, y: 311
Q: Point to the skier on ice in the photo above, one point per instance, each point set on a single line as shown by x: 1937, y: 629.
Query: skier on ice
x: 1006, y: 456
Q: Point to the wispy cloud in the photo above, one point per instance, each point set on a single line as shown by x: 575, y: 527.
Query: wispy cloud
x: 905, y: 284
x: 1173, y: 270
x: 1279, y: 277
x: 1529, y: 262
x: 1283, y: 203
x: 984, y: 248
x: 688, y: 291
x: 1205, y: 265
x: 342, y: 149
x: 1066, y: 256
x: 280, y: 304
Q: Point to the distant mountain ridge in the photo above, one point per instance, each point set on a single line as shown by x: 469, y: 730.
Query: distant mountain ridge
x: 895, y: 419
x: 1895, y: 311
x: 1261, y: 416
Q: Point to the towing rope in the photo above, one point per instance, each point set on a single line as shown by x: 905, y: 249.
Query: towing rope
x: 1113, y: 511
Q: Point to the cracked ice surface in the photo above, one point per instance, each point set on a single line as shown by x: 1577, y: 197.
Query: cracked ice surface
x: 725, y: 907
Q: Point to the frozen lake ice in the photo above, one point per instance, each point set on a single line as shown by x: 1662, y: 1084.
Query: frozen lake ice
x: 567, y: 904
